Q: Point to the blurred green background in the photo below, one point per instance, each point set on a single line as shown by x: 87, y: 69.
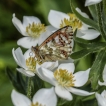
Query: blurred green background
x: 9, y: 35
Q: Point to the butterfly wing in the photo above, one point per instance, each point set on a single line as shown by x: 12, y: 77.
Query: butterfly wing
x: 58, y: 45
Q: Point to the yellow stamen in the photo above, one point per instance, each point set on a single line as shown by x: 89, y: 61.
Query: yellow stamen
x: 64, y: 78
x: 35, y: 29
x: 31, y: 64
x: 72, y: 21
x: 37, y: 104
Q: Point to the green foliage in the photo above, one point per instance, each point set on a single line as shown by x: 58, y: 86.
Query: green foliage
x: 97, y: 68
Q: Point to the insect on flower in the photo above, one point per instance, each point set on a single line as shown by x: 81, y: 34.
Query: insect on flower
x: 58, y: 46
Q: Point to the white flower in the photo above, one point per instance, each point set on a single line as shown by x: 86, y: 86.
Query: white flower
x: 85, y: 32
x: 64, y: 79
x: 28, y: 63
x: 101, y: 98
x: 62, y: 19
x: 92, y: 2
x: 104, y: 77
x: 32, y: 30
x: 43, y: 97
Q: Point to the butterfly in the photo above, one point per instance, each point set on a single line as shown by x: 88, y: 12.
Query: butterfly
x: 58, y: 46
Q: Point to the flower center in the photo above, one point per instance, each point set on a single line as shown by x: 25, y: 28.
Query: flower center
x: 31, y: 64
x: 64, y: 78
x: 72, y: 21
x: 35, y: 29
x: 37, y: 104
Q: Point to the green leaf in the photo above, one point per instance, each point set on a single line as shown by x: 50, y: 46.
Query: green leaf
x: 88, y: 98
x: 93, y: 12
x: 97, y: 68
x: 87, y: 21
x: 95, y: 45
x: 80, y: 54
x: 16, y: 80
x: 21, y: 82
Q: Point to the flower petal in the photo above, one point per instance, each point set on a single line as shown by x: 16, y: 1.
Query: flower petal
x: 29, y: 20
x: 91, y: 2
x: 82, y: 13
x: 81, y: 77
x: 49, y: 31
x: 25, y: 72
x: 20, y: 58
x: 101, y: 101
x: 19, y: 99
x: 45, y: 97
x: 46, y: 75
x: 15, y: 58
x: 28, y: 54
x: 17, y: 23
x: 63, y: 93
x: 50, y: 65
x: 27, y: 42
x: 68, y: 66
x: 84, y: 27
x: 101, y: 83
x: 103, y: 94
x: 55, y: 18
x: 89, y: 34
x: 79, y: 92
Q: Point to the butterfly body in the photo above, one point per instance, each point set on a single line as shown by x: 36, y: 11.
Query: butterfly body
x: 58, y: 46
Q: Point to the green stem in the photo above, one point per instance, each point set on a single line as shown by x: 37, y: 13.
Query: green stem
x: 29, y: 88
x: 100, y: 20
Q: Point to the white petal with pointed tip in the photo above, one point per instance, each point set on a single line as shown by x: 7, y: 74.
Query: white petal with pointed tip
x: 89, y: 34
x: 68, y: 66
x: 91, y: 2
x: 46, y: 75
x: 63, y: 93
x: 55, y: 18
x: 29, y: 20
x: 27, y: 42
x: 101, y: 101
x: 79, y: 92
x: 45, y: 97
x: 26, y: 73
x: 15, y: 58
x: 17, y: 23
x: 19, y: 99
x: 81, y: 78
x: 30, y: 73
x: 82, y: 13
x: 20, y: 57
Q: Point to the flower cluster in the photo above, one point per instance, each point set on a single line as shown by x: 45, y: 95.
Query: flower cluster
x: 51, y: 57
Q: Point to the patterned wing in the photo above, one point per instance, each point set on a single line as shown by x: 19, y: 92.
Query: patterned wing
x: 57, y: 46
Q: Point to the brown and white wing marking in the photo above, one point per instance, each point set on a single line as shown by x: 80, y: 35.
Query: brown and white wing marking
x: 59, y: 45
